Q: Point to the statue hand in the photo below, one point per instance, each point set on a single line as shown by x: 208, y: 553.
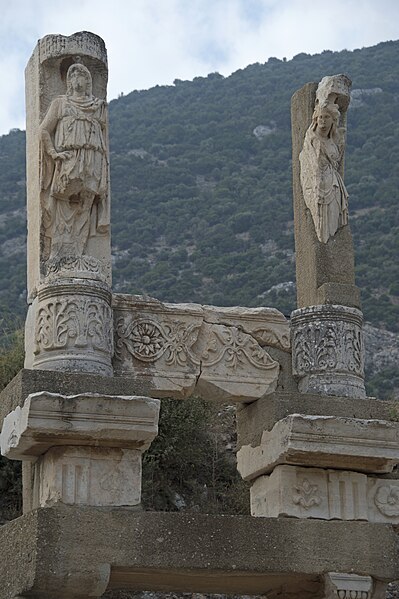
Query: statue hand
x: 63, y: 155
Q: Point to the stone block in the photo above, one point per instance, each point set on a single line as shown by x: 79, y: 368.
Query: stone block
x: 254, y: 418
x: 180, y: 349
x: 88, y: 476
x: 47, y: 420
x: 369, y: 446
x: 78, y: 551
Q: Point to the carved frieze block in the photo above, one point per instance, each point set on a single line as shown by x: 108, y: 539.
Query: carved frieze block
x: 97, y: 476
x: 327, y: 350
x: 298, y: 492
x: 180, y: 349
x: 339, y: 585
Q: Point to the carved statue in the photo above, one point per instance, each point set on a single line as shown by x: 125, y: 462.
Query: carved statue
x: 321, y: 158
x: 74, y: 167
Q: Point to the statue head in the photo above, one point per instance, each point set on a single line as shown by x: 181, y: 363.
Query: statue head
x: 325, y: 119
x: 75, y: 71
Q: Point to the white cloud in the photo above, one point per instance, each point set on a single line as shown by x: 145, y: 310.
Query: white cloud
x: 155, y: 41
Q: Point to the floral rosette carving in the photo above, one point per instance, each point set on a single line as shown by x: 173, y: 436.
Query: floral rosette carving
x: 147, y: 340
x: 386, y: 500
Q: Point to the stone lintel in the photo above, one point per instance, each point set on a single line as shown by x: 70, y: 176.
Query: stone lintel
x: 48, y: 419
x: 61, y: 551
x: 369, y: 446
x: 254, y: 418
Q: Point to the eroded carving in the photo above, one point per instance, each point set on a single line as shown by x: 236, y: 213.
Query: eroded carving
x: 80, y: 323
x: 321, y: 160
x: 386, y: 500
x: 74, y: 168
x: 306, y: 495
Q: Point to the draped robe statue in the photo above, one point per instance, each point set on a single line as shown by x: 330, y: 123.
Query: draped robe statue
x: 323, y: 188
x: 74, y: 167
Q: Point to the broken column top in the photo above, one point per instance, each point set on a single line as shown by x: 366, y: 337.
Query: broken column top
x: 323, y: 241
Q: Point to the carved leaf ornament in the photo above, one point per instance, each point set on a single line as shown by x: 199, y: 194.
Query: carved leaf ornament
x: 235, y: 348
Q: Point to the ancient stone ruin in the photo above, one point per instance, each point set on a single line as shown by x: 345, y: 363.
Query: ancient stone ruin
x: 318, y: 453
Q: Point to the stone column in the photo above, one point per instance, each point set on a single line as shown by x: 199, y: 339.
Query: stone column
x: 327, y: 326
x: 69, y: 324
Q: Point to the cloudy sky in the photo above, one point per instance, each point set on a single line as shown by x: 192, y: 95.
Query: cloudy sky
x: 156, y: 41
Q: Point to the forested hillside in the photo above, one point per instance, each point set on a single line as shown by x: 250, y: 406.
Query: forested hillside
x: 201, y: 186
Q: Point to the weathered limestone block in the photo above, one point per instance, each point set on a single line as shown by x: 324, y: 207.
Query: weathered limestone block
x: 71, y: 322
x: 328, y: 351
x: 98, y: 476
x: 48, y: 419
x: 50, y: 553
x: 180, y: 349
x: 352, y: 586
x: 325, y: 272
x: 323, y: 442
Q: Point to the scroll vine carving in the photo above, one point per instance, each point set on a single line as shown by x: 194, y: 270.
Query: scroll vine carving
x: 79, y: 323
x: 235, y: 348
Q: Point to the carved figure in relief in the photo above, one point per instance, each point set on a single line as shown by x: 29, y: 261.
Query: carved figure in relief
x: 74, y: 167
x: 323, y: 188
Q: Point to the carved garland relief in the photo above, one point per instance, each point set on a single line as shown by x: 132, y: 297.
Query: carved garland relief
x: 148, y: 340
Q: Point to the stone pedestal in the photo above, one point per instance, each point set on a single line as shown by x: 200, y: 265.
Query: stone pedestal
x: 85, y: 449
x: 327, y: 350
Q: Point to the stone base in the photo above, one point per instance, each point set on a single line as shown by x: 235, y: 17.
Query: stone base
x: 71, y: 551
x: 326, y: 494
x: 323, y: 442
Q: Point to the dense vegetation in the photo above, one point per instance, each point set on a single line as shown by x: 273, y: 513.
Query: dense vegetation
x: 202, y: 206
